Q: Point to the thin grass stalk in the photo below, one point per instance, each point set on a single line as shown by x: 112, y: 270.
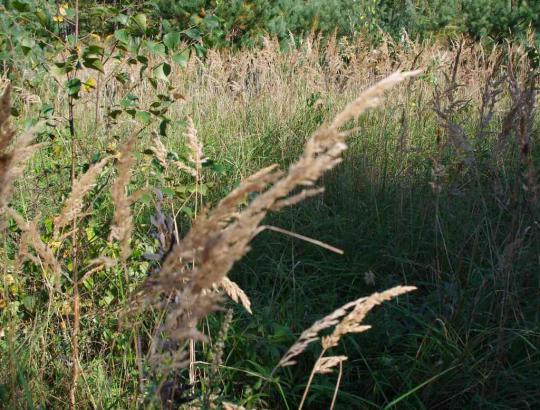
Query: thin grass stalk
x: 338, y: 382
x: 310, y: 380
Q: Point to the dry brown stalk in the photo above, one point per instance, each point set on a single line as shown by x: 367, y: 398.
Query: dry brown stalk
x: 221, y: 237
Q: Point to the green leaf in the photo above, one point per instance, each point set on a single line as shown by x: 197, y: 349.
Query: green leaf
x: 29, y: 302
x: 73, y: 87
x: 143, y: 116
x: 42, y: 17
x: 94, y: 64
x: 171, y: 40
x: 47, y: 110
x: 122, y: 35
x: 122, y: 78
x: 140, y: 20
x: 122, y: 18
x: 193, y: 33
x: 27, y: 44
x: 211, y: 22
x: 167, y: 191
x: 163, y: 127
x: 20, y: 6
x: 155, y: 48
x: 200, y: 50
x: 162, y: 71
x: 129, y: 101
x: 182, y: 58
x: 142, y: 59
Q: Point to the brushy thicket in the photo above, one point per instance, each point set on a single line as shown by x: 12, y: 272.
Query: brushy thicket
x: 165, y: 243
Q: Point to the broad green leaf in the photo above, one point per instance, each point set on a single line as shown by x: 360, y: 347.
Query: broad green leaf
x: 122, y: 78
x: 141, y: 21
x: 163, y: 127
x: 122, y: 35
x: 20, y: 6
x: 193, y: 33
x: 162, y: 71
x: 155, y: 48
x: 73, y: 87
x: 94, y: 64
x: 200, y: 50
x: 143, y: 116
x: 182, y: 58
x: 171, y: 40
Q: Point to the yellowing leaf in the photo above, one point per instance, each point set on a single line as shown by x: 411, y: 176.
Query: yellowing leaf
x: 89, y: 85
x: 58, y: 19
x: 95, y: 38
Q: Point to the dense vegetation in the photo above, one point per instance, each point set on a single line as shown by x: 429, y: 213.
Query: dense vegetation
x: 154, y: 257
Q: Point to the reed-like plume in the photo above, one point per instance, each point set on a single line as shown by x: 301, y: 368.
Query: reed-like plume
x: 122, y: 224
x: 74, y: 204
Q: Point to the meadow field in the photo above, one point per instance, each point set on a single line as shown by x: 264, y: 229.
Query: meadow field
x: 216, y: 229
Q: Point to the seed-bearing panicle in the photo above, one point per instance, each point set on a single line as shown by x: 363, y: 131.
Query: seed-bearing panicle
x: 74, y: 204
x: 326, y: 364
x: 236, y: 293
x: 352, y: 322
x: 196, y: 155
x: 122, y: 225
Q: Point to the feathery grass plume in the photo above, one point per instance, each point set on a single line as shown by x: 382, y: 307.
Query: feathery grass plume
x: 347, y: 319
x: 371, y: 97
x: 221, y: 237
x: 122, y: 224
x: 311, y: 334
x: 31, y: 237
x: 352, y: 322
x: 12, y: 160
x: 326, y: 365
x: 159, y: 150
x: 74, y: 204
x: 236, y: 293
x: 196, y: 155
